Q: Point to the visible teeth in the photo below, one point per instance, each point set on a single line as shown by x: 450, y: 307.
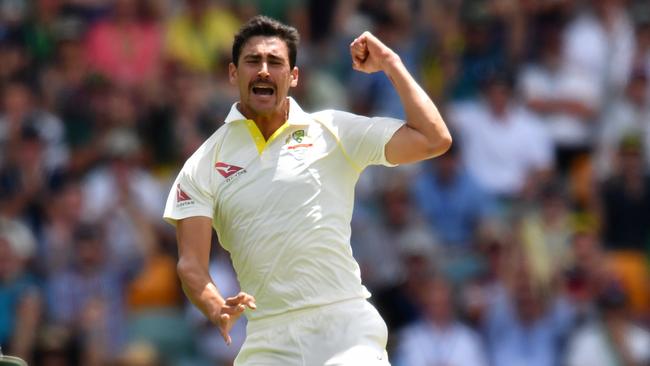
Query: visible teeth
x: 263, y: 90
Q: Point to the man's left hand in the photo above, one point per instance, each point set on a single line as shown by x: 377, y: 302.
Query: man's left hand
x: 369, y: 54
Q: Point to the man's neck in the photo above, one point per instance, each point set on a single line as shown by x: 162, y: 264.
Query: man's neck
x: 267, y: 123
x: 441, y: 324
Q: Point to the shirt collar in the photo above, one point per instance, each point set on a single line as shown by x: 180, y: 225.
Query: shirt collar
x: 296, y: 115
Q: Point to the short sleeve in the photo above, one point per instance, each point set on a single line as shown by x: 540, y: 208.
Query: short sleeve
x: 463, y: 115
x: 191, y: 194
x: 541, y: 148
x: 578, y: 85
x: 533, y: 83
x: 364, y: 139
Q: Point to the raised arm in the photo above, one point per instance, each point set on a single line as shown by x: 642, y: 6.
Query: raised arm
x: 194, y: 236
x: 425, y: 134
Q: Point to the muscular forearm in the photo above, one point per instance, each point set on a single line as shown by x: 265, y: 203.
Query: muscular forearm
x: 421, y: 113
x: 199, y: 288
x: 194, y: 241
x: 194, y: 234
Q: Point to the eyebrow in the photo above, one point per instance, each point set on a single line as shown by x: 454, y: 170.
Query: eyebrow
x: 257, y: 56
x: 274, y: 57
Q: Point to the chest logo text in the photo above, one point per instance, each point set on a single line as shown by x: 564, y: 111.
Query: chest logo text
x: 229, y: 171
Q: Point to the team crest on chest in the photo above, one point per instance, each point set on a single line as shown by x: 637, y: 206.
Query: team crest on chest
x: 298, y: 136
x: 297, y: 140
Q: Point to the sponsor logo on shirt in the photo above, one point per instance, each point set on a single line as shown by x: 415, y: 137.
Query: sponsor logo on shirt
x: 298, y: 137
x: 229, y: 171
x: 182, y: 198
x: 299, y: 146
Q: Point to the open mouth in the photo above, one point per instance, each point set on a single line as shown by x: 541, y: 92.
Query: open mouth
x: 263, y: 90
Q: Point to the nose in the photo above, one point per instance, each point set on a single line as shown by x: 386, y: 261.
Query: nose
x: 264, y: 71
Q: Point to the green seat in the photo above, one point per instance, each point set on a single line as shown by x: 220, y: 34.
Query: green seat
x: 11, y: 361
x: 166, y: 329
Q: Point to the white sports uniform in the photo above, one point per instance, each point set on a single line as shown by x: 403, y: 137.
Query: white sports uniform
x: 282, y: 208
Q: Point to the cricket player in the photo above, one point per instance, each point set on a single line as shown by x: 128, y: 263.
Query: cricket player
x: 277, y: 185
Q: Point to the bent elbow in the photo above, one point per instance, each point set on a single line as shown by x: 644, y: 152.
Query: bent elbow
x: 183, y: 267
x: 447, y: 141
x: 442, y: 145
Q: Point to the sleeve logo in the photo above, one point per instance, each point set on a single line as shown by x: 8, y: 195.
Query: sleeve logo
x: 182, y: 198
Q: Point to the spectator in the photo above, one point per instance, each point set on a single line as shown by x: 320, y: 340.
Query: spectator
x: 89, y: 296
x: 13, y: 55
x: 153, y: 297
x: 126, y: 47
x: 20, y: 297
x: 545, y: 232
x: 438, y: 338
x: 611, y: 339
x: 505, y: 148
x: 25, y: 180
x: 176, y: 126
x: 201, y: 35
x: 69, y: 92
x: 482, y: 53
x: 440, y: 27
x: 20, y: 111
x: 63, y: 215
x: 625, y: 205
x: 628, y: 115
x: 495, y: 248
x: 40, y: 31
x: 398, y: 303
x: 626, y: 199
x: 600, y: 41
x: 525, y: 326
x: 451, y: 200
x: 113, y: 192
x: 564, y: 97
x: 588, y: 272
x: 376, y: 244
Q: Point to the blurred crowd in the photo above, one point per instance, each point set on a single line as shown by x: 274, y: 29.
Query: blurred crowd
x: 526, y: 244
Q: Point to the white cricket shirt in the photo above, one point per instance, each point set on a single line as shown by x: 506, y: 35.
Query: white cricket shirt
x: 282, y: 207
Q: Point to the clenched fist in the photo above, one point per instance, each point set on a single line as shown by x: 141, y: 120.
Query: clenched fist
x: 370, y: 55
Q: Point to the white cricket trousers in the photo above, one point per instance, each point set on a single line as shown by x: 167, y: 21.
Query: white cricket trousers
x: 346, y: 333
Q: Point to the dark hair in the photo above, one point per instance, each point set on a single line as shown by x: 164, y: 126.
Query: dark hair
x: 85, y: 232
x: 501, y: 77
x: 261, y: 25
x: 612, y: 297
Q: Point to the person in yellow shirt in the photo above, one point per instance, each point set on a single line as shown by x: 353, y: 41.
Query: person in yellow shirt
x: 200, y: 35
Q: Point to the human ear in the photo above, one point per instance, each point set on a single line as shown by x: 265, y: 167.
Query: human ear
x: 294, y: 77
x: 232, y: 73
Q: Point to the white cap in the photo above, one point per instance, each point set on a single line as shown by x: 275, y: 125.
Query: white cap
x: 20, y: 239
x: 418, y: 241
